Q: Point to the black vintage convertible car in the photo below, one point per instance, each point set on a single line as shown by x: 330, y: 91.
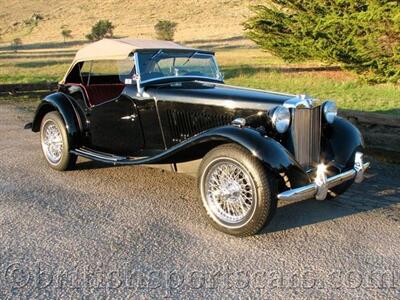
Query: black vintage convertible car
x: 161, y: 104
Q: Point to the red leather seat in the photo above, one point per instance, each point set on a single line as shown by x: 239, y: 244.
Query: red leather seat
x: 99, y: 93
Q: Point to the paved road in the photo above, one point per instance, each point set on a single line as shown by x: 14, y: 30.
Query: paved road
x: 134, y: 232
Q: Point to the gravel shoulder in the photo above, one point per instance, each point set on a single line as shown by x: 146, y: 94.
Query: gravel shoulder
x: 133, y: 232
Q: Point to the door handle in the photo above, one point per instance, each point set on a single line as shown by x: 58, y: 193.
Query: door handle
x: 131, y: 117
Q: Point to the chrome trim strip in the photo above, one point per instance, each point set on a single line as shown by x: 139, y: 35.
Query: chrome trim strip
x: 228, y: 104
x: 181, y: 76
x: 310, y: 190
x: 160, y: 123
x: 91, y: 154
x: 246, y: 88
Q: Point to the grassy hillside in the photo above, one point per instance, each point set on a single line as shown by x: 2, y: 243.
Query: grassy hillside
x: 210, y: 24
x: 205, y: 19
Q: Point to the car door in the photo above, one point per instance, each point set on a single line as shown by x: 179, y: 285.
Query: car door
x: 115, y: 127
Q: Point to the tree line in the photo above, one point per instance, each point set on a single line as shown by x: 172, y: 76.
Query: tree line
x: 164, y: 29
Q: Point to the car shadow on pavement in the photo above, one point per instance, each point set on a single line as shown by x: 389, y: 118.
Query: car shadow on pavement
x: 304, y: 213
x: 373, y: 194
x: 91, y: 164
x: 379, y: 191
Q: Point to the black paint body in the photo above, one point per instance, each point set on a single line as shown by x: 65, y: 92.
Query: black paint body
x: 180, y: 122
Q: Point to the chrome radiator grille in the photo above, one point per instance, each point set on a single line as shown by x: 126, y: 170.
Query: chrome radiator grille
x: 306, y: 134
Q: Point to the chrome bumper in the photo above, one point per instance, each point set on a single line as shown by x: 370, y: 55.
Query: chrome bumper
x: 319, y: 189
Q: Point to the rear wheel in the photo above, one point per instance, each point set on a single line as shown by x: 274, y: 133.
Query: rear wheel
x: 55, y: 144
x: 238, y: 194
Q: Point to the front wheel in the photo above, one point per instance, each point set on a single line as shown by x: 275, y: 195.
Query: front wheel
x: 238, y: 194
x: 340, y: 189
x: 55, y: 144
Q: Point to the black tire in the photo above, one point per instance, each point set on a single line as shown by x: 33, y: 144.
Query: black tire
x: 254, y: 177
x: 339, y: 189
x: 336, y: 191
x: 66, y: 160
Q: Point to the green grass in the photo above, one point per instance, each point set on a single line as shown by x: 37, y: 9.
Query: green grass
x: 349, y: 94
x: 32, y: 70
x: 263, y: 71
x: 242, y: 67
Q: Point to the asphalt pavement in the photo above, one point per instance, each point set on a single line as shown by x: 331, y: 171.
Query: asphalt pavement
x: 105, y: 232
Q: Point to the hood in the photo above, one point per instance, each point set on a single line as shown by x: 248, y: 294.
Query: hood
x: 218, y: 95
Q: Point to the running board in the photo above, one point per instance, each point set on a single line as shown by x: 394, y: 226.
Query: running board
x: 99, y: 156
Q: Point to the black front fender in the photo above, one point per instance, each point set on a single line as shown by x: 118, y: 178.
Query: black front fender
x: 271, y: 153
x: 61, y: 103
x: 344, y: 140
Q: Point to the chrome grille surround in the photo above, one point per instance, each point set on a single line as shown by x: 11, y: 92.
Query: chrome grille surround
x: 306, y: 130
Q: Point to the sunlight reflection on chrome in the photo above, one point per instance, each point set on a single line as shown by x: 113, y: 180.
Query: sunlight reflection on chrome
x: 229, y: 104
x: 320, y: 181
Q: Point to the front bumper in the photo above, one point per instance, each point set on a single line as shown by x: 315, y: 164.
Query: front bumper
x: 320, y: 187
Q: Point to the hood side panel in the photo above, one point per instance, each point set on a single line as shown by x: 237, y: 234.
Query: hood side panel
x: 191, y: 109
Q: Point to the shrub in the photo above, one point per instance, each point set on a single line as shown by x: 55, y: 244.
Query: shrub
x: 16, y: 44
x: 165, y: 30
x: 360, y: 35
x: 33, y: 20
x: 66, y: 33
x: 102, y: 29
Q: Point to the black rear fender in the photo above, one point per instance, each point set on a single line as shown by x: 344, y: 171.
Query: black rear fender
x: 61, y: 103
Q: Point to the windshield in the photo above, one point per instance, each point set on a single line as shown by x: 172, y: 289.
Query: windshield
x: 168, y: 64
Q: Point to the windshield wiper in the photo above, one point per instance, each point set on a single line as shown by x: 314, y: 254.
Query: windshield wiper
x: 189, y: 58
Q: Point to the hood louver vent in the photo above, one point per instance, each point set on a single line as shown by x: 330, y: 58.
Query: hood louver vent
x: 183, y: 124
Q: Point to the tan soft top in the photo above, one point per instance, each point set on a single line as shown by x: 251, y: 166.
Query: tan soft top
x: 121, y: 48
x: 118, y: 49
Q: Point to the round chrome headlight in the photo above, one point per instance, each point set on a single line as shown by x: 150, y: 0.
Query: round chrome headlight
x: 330, y: 111
x: 281, y: 119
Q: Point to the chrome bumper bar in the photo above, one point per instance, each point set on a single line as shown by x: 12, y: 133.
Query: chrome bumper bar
x: 322, y: 184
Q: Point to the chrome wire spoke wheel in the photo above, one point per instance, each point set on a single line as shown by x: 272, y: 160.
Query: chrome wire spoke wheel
x: 237, y: 192
x: 229, y: 192
x: 52, y: 142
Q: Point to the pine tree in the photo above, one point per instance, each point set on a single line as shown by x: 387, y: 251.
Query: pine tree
x: 361, y: 35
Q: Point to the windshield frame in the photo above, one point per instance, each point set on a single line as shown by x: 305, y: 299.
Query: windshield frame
x: 165, y: 79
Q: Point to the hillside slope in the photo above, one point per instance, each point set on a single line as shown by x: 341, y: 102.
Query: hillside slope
x: 197, y: 19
